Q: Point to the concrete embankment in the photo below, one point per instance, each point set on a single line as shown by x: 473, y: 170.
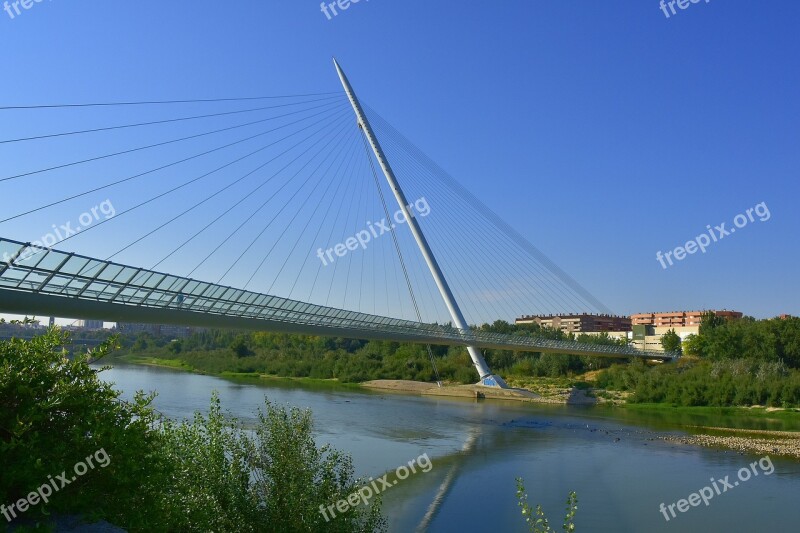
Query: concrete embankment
x: 475, y: 391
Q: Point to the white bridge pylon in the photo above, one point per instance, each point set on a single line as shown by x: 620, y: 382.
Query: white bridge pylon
x: 486, y: 377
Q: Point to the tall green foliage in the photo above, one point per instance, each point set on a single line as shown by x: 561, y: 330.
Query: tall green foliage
x: 272, y: 478
x: 723, y: 383
x: 671, y: 342
x: 537, y: 519
x: 217, y: 351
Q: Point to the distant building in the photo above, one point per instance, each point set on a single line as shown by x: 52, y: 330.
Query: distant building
x: 646, y: 337
x: 90, y: 324
x: 785, y: 317
x: 579, y: 323
x: 166, y: 330
x: 677, y: 319
x: 130, y: 327
x: 648, y: 328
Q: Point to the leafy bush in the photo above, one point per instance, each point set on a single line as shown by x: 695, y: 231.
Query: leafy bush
x: 272, y: 478
x: 722, y: 383
x: 54, y: 413
x: 205, y: 475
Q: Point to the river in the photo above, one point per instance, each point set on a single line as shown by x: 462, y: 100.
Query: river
x: 621, y: 472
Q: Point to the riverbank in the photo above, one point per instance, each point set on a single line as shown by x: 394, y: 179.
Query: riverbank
x: 178, y: 364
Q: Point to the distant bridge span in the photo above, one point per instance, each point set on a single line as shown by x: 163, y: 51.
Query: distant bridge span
x: 44, y: 282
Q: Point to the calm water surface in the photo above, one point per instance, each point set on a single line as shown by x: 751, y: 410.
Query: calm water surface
x: 478, y: 448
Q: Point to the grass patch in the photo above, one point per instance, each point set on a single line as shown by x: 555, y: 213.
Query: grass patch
x: 791, y: 413
x: 549, y: 387
x: 304, y: 381
x: 177, y: 364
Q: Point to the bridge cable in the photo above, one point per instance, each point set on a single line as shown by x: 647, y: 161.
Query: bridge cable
x: 206, y: 199
x: 493, y: 236
x: 151, y: 123
x: 151, y: 171
x: 447, y: 243
x: 325, y: 212
x: 201, y: 154
x: 308, y: 222
x: 336, y: 219
x: 498, y: 222
x: 517, y: 265
x: 159, y: 102
x: 450, y: 191
x: 397, y: 247
x: 156, y: 145
x: 161, y: 195
x: 520, y: 272
x: 450, y: 238
x: 337, y: 263
x: 274, y: 194
x: 240, y: 201
x: 252, y: 243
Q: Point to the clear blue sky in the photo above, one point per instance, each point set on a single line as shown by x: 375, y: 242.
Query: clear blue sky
x: 604, y: 131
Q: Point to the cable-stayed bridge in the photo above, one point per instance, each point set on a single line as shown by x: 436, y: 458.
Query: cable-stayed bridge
x: 322, y: 248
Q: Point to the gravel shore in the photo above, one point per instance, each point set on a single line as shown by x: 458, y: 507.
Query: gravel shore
x: 783, y: 443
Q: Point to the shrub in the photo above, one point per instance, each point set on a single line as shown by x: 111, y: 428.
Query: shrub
x: 270, y: 478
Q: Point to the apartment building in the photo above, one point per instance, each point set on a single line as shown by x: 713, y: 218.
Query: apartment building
x: 678, y: 319
x: 579, y: 323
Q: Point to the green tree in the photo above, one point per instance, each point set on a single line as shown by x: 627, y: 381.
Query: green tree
x: 56, y: 412
x: 693, y: 345
x: 240, y: 347
x: 710, y: 321
x: 175, y: 347
x: 671, y: 341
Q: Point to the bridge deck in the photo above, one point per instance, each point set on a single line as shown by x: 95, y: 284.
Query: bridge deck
x: 41, y: 281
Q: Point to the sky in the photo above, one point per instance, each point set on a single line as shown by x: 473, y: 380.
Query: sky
x: 604, y: 132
